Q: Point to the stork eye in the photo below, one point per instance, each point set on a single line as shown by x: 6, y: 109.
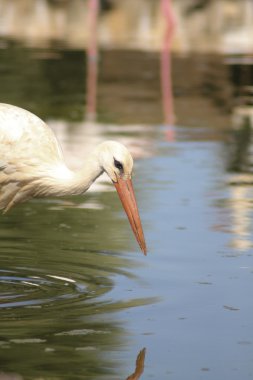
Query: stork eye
x: 118, y: 165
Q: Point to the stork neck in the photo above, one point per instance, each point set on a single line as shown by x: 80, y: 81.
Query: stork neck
x: 62, y: 181
x: 87, y: 175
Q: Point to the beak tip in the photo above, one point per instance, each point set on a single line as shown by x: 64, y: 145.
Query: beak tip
x: 144, y: 250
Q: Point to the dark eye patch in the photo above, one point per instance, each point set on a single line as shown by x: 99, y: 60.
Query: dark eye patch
x: 118, y: 165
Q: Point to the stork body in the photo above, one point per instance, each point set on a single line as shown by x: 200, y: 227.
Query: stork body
x: 32, y: 165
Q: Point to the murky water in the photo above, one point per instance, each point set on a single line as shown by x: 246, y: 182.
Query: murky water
x: 77, y: 298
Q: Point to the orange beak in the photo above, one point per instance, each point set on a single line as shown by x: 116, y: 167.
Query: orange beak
x: 126, y: 194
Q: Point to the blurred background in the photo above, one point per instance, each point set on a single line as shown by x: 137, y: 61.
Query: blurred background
x: 207, y: 26
x: 212, y: 38
x: 173, y: 80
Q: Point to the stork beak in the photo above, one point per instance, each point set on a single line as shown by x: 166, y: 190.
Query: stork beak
x: 125, y: 191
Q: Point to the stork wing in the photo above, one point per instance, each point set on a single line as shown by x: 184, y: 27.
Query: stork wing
x: 28, y: 147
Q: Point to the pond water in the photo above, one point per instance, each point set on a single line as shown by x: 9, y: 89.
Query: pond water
x: 77, y: 298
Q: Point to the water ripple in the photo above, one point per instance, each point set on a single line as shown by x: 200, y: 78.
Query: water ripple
x: 65, y: 281
x: 24, y: 287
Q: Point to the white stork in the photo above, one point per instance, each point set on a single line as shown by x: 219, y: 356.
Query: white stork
x: 32, y: 165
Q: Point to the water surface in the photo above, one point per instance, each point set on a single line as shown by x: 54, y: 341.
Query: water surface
x: 77, y: 298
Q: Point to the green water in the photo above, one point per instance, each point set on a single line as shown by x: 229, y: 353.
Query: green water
x: 77, y: 298
x: 56, y: 308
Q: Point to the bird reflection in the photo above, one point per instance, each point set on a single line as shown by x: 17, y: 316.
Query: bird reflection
x: 139, y: 367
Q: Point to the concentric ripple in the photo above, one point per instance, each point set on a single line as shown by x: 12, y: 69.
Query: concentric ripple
x: 59, y: 290
x: 66, y: 280
x: 24, y: 287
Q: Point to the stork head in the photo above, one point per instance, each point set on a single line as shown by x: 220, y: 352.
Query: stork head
x: 117, y: 162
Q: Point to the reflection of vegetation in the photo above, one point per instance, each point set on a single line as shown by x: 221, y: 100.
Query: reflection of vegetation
x: 239, y: 150
x: 73, y: 323
x: 48, y: 82
x: 51, y: 83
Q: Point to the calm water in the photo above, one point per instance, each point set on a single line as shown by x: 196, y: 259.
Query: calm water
x: 77, y: 298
